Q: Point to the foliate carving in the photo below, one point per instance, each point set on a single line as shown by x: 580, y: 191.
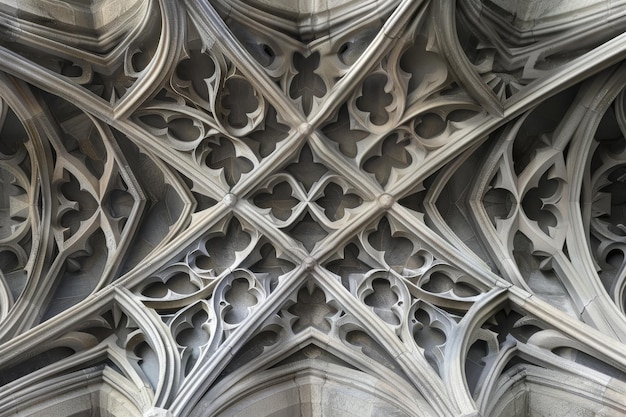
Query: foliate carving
x: 208, y: 205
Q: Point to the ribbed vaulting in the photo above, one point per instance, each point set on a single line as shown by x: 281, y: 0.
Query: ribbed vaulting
x: 314, y: 208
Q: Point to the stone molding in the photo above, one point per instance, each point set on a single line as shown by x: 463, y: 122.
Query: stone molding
x: 243, y: 208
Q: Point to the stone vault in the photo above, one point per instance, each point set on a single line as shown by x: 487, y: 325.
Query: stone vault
x: 312, y: 208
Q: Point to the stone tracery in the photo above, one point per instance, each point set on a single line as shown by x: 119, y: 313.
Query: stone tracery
x: 199, y: 207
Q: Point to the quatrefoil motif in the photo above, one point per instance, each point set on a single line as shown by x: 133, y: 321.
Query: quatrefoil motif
x: 200, y: 199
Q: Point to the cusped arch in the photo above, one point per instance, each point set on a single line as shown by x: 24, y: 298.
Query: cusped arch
x: 254, y: 207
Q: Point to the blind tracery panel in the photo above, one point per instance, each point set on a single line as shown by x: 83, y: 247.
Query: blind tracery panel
x: 368, y: 208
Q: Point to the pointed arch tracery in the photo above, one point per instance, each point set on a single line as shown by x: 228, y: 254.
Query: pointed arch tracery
x: 207, y: 204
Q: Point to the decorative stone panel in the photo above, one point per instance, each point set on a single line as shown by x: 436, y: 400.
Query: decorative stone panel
x: 351, y: 208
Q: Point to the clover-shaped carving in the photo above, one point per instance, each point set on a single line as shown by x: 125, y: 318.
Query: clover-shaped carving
x: 174, y: 280
x: 218, y: 253
x: 181, y: 132
x: 445, y: 280
x: 398, y: 252
x: 386, y: 296
x: 350, y: 266
x: 306, y: 170
x: 241, y: 107
x: 308, y: 231
x: 539, y: 202
x: 429, y: 328
x: 312, y: 310
x: 375, y: 98
x: 223, y: 156
x: 306, y: 85
x: 235, y: 297
x: 335, y: 201
x: 393, y: 155
x: 239, y: 299
x: 192, y: 328
x: 268, y: 266
x: 339, y: 130
x: 280, y: 200
x: 195, y: 71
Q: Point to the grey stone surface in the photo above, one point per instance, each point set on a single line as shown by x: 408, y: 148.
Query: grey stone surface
x: 312, y: 208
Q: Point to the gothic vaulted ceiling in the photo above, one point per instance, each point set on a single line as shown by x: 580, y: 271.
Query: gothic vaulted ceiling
x: 312, y: 208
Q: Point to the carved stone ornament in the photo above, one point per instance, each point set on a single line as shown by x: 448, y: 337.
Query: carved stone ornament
x: 312, y: 208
